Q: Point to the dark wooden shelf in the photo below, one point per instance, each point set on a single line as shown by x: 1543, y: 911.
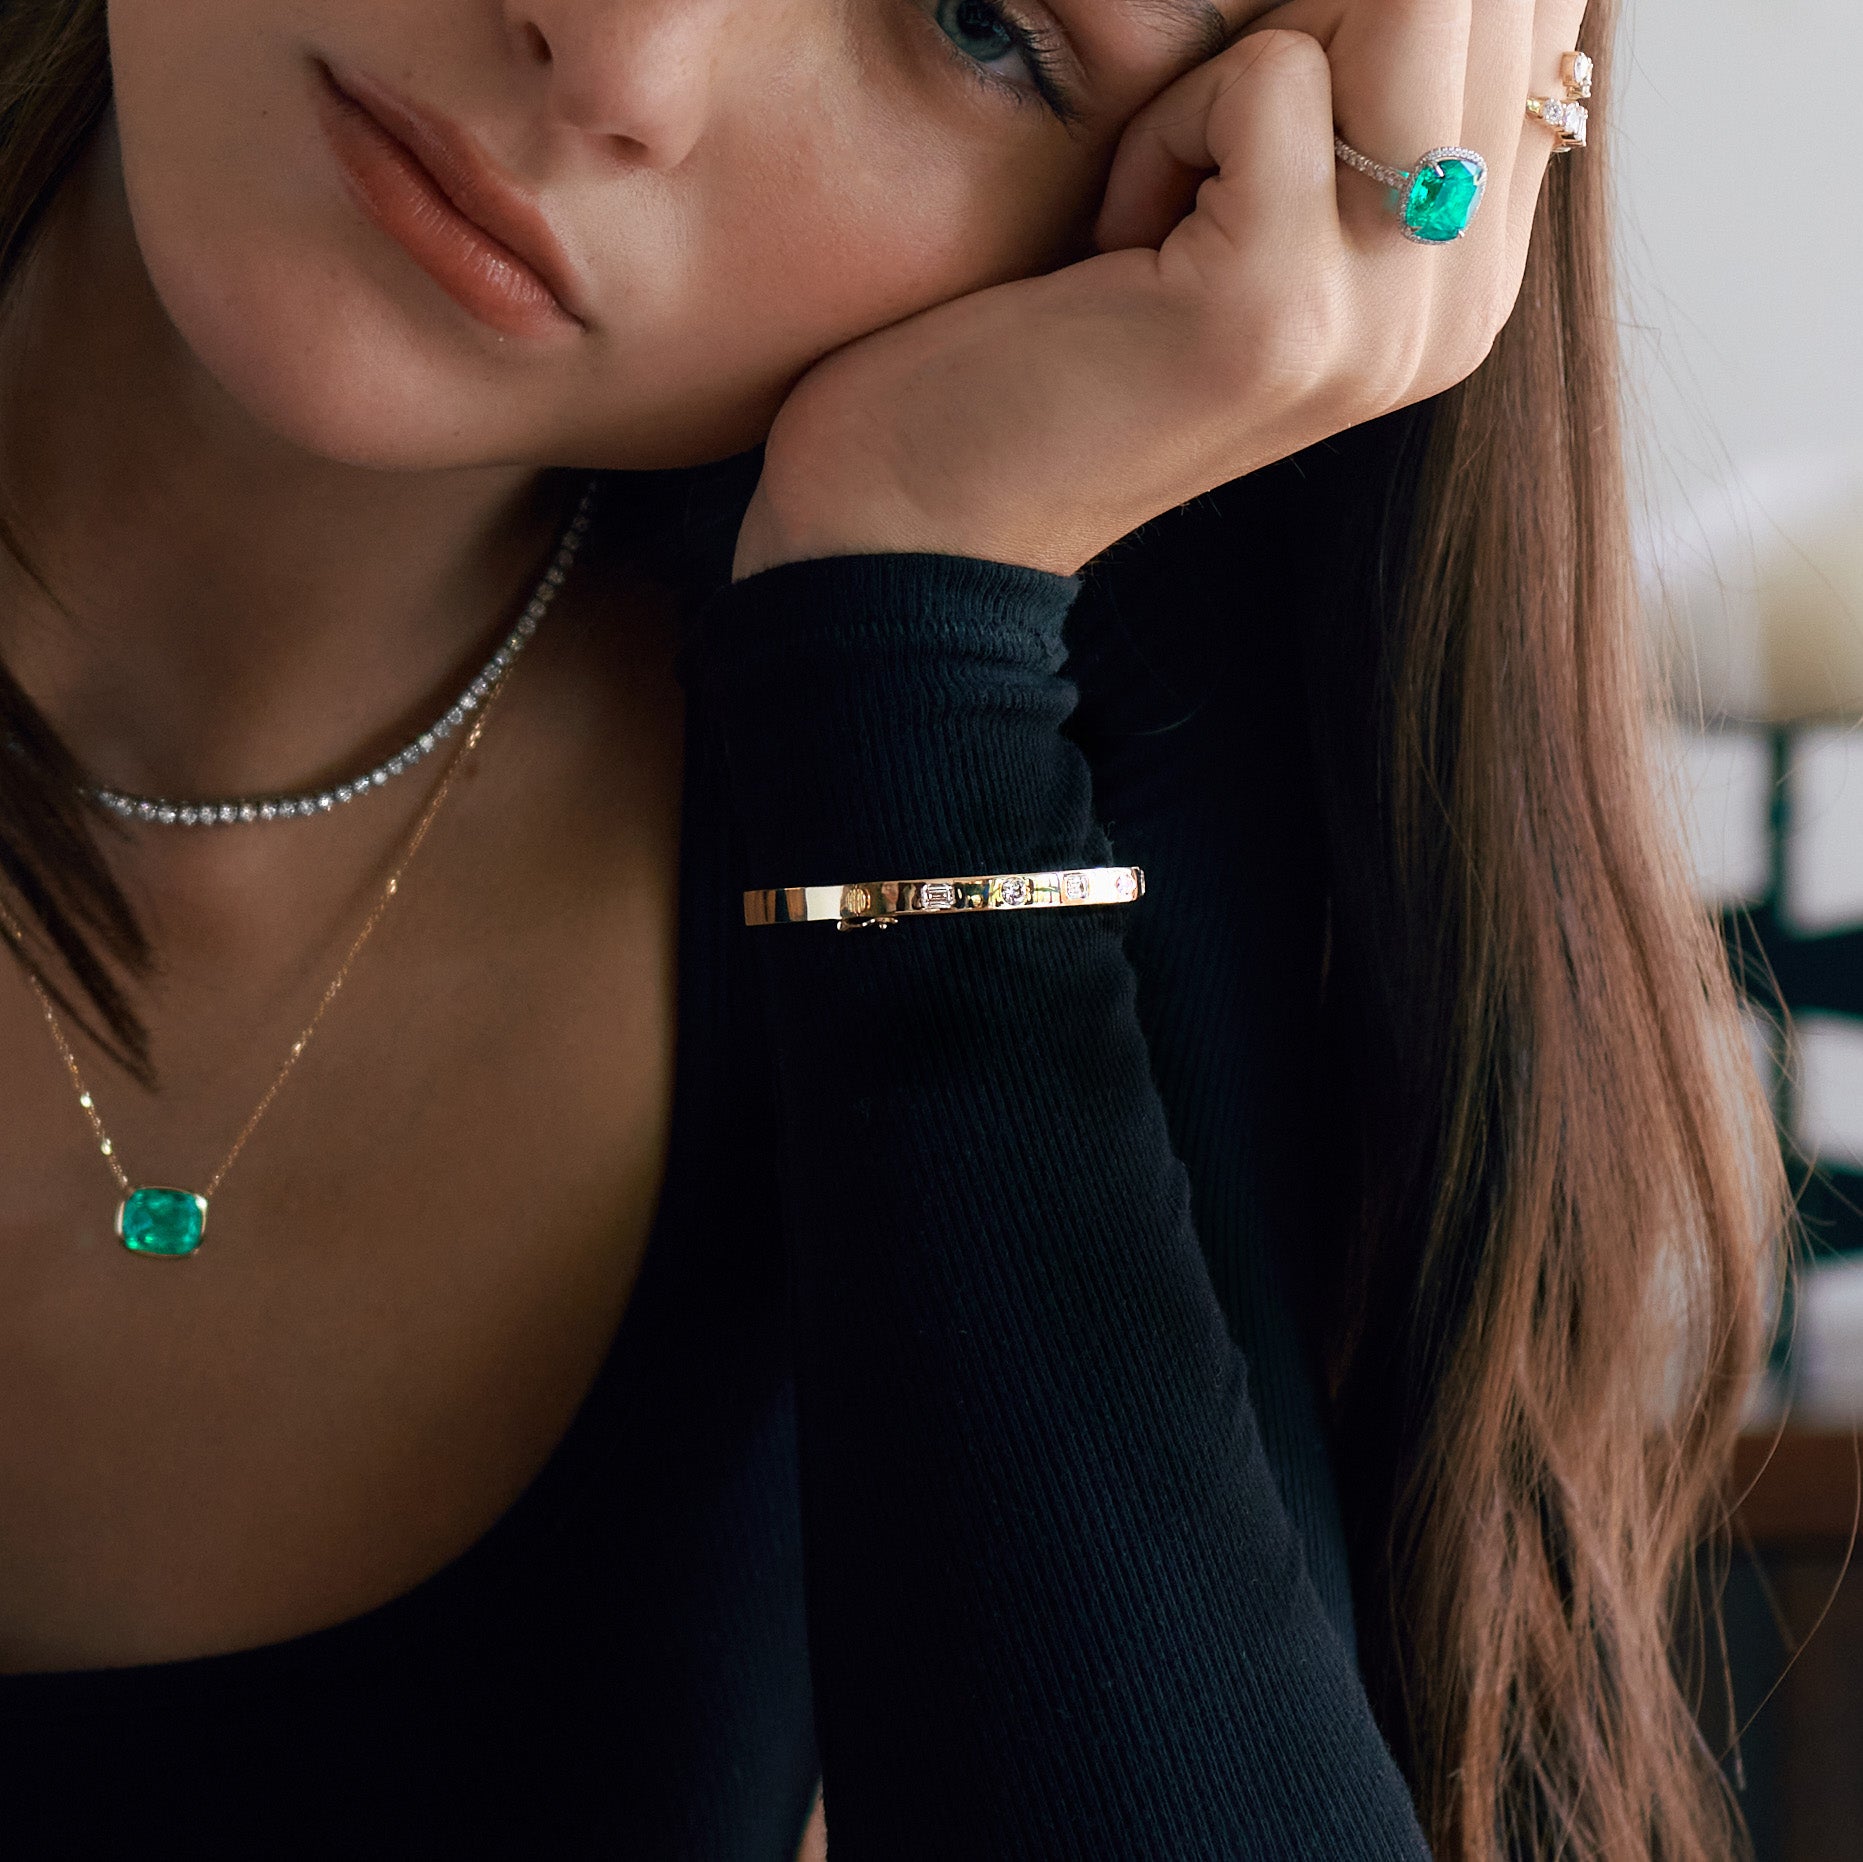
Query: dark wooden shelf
x: 1799, y: 1487
x: 1795, y: 1596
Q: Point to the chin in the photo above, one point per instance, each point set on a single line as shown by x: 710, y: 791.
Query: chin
x: 352, y: 374
x: 336, y: 368
x: 336, y: 345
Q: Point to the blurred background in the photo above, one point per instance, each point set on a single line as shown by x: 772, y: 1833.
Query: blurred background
x: 1731, y: 129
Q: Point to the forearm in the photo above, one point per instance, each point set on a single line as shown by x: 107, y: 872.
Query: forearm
x: 1056, y: 1606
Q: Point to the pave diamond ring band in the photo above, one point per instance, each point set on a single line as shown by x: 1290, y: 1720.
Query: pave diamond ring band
x: 1565, y: 114
x: 881, y: 902
x: 1435, y: 201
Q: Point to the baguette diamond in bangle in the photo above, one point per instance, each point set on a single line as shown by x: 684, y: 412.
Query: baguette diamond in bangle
x: 881, y: 902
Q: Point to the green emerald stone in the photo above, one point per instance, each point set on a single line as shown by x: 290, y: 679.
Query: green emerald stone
x: 166, y: 1222
x: 1444, y: 193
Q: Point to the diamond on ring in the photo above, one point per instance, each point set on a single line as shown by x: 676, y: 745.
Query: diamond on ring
x: 1566, y: 119
x: 1565, y: 115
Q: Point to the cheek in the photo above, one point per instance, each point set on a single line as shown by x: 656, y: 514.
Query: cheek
x: 806, y: 242
x: 807, y: 221
x: 277, y: 289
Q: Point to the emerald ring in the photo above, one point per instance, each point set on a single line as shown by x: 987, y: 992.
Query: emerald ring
x: 1435, y: 201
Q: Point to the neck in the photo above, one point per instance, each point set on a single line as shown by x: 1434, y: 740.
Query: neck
x: 215, y: 611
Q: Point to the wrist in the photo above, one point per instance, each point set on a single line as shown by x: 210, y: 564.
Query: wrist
x: 766, y: 539
x: 873, y: 524
x: 858, y: 526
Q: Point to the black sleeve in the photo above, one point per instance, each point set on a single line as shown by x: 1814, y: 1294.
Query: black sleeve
x: 1056, y: 1606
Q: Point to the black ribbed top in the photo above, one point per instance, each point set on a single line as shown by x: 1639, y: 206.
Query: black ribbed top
x: 957, y: 1444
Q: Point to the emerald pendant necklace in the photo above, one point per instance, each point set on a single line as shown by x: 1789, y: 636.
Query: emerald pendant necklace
x: 153, y: 1219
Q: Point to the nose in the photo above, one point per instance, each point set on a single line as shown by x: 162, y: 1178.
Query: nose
x: 640, y: 72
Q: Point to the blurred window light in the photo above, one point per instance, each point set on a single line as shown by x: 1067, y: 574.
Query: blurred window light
x: 1823, y: 888
x: 1827, y: 1093
x: 1827, y: 1345
x: 1723, y: 785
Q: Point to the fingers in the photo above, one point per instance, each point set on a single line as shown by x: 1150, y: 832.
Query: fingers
x: 1556, y: 31
x: 1514, y: 54
x: 1415, y: 55
x: 1500, y: 67
x: 1247, y: 136
x: 1400, y: 70
x: 1501, y: 64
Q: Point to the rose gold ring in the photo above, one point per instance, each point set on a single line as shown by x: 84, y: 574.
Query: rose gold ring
x: 1565, y: 114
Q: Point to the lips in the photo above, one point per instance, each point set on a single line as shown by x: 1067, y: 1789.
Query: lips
x: 429, y: 186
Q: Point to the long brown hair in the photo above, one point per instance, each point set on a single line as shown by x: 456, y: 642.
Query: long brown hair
x: 1564, y: 1188
x: 1568, y: 1195
x: 54, y: 85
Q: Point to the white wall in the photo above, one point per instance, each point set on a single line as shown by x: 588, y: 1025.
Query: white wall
x: 1738, y: 144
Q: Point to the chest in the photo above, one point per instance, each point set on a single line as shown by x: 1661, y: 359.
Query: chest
x: 411, y: 1273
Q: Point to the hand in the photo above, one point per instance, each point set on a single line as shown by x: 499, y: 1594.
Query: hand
x: 1038, y: 422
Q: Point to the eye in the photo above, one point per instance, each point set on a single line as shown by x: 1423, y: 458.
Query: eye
x: 980, y: 31
x: 993, y: 43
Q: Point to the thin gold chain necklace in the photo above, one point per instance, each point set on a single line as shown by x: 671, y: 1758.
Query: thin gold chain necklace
x: 153, y: 1219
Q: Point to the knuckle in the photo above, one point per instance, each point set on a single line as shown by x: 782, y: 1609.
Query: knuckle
x: 1362, y: 389
x: 1283, y: 54
x: 1373, y: 362
x: 1500, y: 314
x: 1391, y: 357
x: 1283, y: 350
x: 1313, y: 332
x: 1463, y: 350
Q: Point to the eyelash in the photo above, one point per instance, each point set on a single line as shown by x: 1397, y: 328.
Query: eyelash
x: 1038, y: 46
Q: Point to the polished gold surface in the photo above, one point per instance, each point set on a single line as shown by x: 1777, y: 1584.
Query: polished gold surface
x: 880, y: 902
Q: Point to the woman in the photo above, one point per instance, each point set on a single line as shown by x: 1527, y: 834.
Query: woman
x: 643, y: 1362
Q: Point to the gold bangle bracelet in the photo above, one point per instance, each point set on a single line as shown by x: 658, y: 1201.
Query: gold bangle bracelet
x: 881, y: 902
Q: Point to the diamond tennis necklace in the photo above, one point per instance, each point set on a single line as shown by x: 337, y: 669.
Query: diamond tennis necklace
x: 155, y: 1219
x: 242, y: 810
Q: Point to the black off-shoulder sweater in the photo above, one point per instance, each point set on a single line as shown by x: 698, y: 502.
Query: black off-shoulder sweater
x: 957, y: 1446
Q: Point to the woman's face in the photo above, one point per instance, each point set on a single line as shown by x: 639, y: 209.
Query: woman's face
x: 695, y: 200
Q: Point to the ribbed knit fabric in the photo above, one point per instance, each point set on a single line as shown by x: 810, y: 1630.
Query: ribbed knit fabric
x: 1056, y: 1605
x: 958, y: 1442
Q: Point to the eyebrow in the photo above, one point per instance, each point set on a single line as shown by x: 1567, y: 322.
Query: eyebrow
x: 1196, y: 29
